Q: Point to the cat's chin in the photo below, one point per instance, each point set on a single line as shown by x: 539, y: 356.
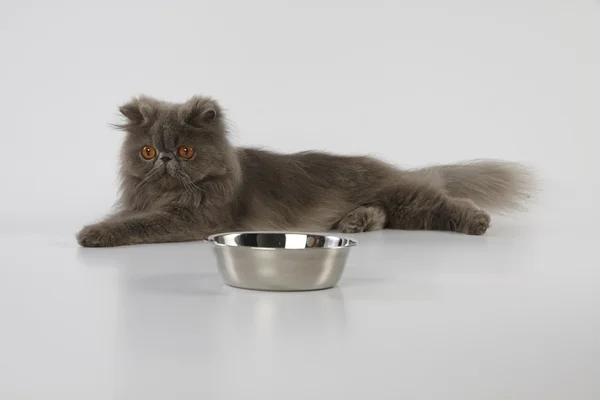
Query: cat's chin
x: 168, y: 183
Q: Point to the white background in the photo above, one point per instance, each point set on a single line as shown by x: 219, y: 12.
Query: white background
x: 417, y: 315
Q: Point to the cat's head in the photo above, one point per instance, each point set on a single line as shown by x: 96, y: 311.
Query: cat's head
x: 173, y: 145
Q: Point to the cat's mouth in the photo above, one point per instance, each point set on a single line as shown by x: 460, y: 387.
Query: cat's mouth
x: 172, y: 169
x: 169, y: 175
x: 162, y: 173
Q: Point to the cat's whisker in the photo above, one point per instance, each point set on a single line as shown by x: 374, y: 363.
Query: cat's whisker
x: 192, y: 184
x: 142, y: 182
x: 148, y: 177
x: 198, y: 188
x: 213, y: 194
x: 188, y: 188
x: 189, y: 185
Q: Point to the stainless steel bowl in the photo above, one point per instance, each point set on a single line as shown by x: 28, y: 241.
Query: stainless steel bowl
x: 281, y: 261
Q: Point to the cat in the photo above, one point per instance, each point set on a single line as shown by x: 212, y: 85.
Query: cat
x: 182, y: 180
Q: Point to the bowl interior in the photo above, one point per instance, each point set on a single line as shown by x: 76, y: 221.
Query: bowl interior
x: 280, y: 240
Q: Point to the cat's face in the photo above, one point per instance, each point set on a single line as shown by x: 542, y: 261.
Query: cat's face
x: 173, y: 145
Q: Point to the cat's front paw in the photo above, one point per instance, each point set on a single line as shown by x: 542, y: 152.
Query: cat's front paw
x: 96, y: 236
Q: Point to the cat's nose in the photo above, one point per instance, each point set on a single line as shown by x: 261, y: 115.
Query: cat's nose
x: 165, y: 158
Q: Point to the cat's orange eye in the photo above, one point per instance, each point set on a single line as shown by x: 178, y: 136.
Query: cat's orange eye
x: 185, y: 152
x: 148, y: 152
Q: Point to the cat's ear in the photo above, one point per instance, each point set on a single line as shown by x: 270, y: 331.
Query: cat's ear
x: 138, y: 111
x: 199, y: 112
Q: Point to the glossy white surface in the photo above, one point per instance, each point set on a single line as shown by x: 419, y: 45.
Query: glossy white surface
x: 511, y: 315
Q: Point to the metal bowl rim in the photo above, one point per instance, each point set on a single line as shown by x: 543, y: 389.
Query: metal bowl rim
x: 351, y: 242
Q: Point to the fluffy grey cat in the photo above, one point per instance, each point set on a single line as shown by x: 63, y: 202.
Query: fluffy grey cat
x: 183, y: 180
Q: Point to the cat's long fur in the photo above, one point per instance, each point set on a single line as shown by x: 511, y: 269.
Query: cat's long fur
x: 223, y: 188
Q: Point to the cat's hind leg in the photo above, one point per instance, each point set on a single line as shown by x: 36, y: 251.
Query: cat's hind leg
x: 363, y: 219
x: 416, y: 205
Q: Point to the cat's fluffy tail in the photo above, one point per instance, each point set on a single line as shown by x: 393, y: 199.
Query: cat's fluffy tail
x: 492, y: 185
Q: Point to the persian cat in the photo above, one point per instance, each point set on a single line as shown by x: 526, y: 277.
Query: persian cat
x: 181, y: 179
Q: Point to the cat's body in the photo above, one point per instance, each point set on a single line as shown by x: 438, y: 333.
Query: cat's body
x: 196, y: 184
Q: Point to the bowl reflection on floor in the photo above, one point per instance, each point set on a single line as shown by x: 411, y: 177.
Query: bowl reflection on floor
x: 297, y: 314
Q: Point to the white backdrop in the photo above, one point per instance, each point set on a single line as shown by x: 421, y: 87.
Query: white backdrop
x: 414, y: 82
x: 512, y: 314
